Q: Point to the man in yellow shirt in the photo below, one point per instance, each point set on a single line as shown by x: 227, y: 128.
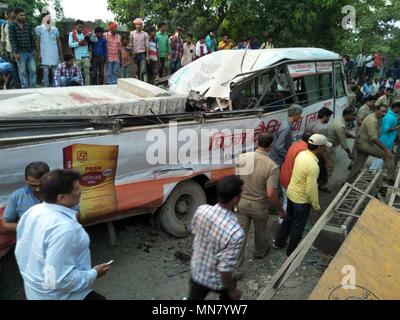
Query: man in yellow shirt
x: 302, y: 194
x: 225, y: 43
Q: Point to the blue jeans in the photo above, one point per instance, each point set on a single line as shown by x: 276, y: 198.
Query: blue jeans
x: 141, y: 65
x: 293, y: 225
x: 27, y: 69
x: 112, y: 70
x: 14, y: 83
x: 124, y: 72
x: 70, y: 82
x: 175, y: 66
x: 46, y: 74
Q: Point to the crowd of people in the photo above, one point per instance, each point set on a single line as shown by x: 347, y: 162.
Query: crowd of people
x: 287, y: 176
x: 100, y: 56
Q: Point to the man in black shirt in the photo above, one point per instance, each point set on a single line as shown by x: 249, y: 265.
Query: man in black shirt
x: 23, y: 49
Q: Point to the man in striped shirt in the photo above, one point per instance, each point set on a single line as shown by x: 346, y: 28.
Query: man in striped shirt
x: 218, y: 239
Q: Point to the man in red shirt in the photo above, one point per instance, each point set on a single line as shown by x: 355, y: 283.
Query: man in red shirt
x: 378, y: 62
x: 287, y: 167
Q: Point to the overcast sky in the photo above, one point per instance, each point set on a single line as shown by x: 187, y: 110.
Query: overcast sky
x: 87, y: 9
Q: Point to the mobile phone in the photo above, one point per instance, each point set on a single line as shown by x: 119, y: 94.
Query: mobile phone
x: 110, y: 262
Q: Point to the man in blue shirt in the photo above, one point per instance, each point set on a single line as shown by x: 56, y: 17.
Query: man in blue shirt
x: 388, y: 133
x: 390, y: 126
x: 99, y: 57
x: 52, y: 249
x: 25, y: 198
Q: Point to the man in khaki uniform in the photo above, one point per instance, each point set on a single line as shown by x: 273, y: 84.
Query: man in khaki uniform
x: 338, y: 135
x: 260, y: 188
x: 362, y: 113
x: 368, y: 144
x: 386, y: 99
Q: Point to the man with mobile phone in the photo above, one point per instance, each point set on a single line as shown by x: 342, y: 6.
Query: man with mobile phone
x: 52, y: 249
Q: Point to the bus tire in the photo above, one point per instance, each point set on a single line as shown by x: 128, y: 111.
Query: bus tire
x: 177, y: 212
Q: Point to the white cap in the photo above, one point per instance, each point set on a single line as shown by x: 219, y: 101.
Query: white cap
x: 319, y: 140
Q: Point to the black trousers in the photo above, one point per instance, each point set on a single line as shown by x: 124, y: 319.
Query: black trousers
x: 162, y: 67
x: 94, y: 296
x: 98, y: 64
x: 199, y: 292
x: 293, y: 225
x: 323, y: 175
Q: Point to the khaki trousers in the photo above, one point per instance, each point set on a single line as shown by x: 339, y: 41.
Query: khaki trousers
x: 84, y: 66
x: 363, y: 152
x: 253, y: 211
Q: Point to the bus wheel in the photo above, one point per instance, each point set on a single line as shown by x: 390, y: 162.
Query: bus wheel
x: 177, y: 212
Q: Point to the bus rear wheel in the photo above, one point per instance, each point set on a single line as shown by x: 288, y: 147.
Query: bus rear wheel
x: 177, y: 212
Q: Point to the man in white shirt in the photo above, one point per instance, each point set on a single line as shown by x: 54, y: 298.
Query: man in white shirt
x: 53, y: 248
x: 360, y: 66
x: 188, y: 51
x: 370, y: 64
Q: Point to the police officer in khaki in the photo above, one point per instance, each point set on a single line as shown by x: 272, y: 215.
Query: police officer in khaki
x: 368, y: 144
x: 260, y: 188
x: 338, y: 135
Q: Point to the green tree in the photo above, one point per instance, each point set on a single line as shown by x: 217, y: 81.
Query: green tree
x: 290, y: 22
x: 59, y: 10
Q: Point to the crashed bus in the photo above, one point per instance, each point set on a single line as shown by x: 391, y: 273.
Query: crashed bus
x: 106, y: 132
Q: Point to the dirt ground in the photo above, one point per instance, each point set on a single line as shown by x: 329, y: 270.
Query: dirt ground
x: 150, y: 265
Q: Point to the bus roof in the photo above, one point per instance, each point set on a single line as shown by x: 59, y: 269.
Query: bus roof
x: 212, y: 75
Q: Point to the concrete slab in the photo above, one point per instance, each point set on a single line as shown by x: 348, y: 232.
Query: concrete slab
x: 92, y: 100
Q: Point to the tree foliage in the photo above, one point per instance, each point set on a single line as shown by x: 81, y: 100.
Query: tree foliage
x: 290, y: 22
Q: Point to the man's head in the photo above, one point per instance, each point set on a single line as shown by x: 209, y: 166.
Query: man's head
x: 317, y: 143
x: 389, y: 92
x: 265, y: 140
x: 381, y: 111
x: 125, y: 41
x: 152, y: 32
x: 202, y: 38
x: 348, y: 114
x: 294, y: 112
x: 20, y: 15
x: 34, y: 173
x: 113, y: 26
x: 138, y: 23
x: 189, y: 38
x: 355, y: 88
x: 371, y: 100
x: 229, y: 190
x: 10, y: 15
x: 178, y: 31
x: 211, y: 33
x: 306, y: 136
x: 324, y: 115
x: 396, y: 107
x: 99, y: 32
x: 61, y: 187
x: 269, y: 39
x: 69, y: 60
x: 226, y: 38
x: 162, y: 27
x: 79, y: 25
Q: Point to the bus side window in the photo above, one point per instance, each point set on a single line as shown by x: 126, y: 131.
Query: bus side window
x: 340, y: 81
x: 307, y: 89
x: 273, y: 90
x: 326, y: 86
x: 243, y: 97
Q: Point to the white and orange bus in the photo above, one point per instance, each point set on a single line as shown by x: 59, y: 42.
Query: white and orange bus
x: 228, y: 90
